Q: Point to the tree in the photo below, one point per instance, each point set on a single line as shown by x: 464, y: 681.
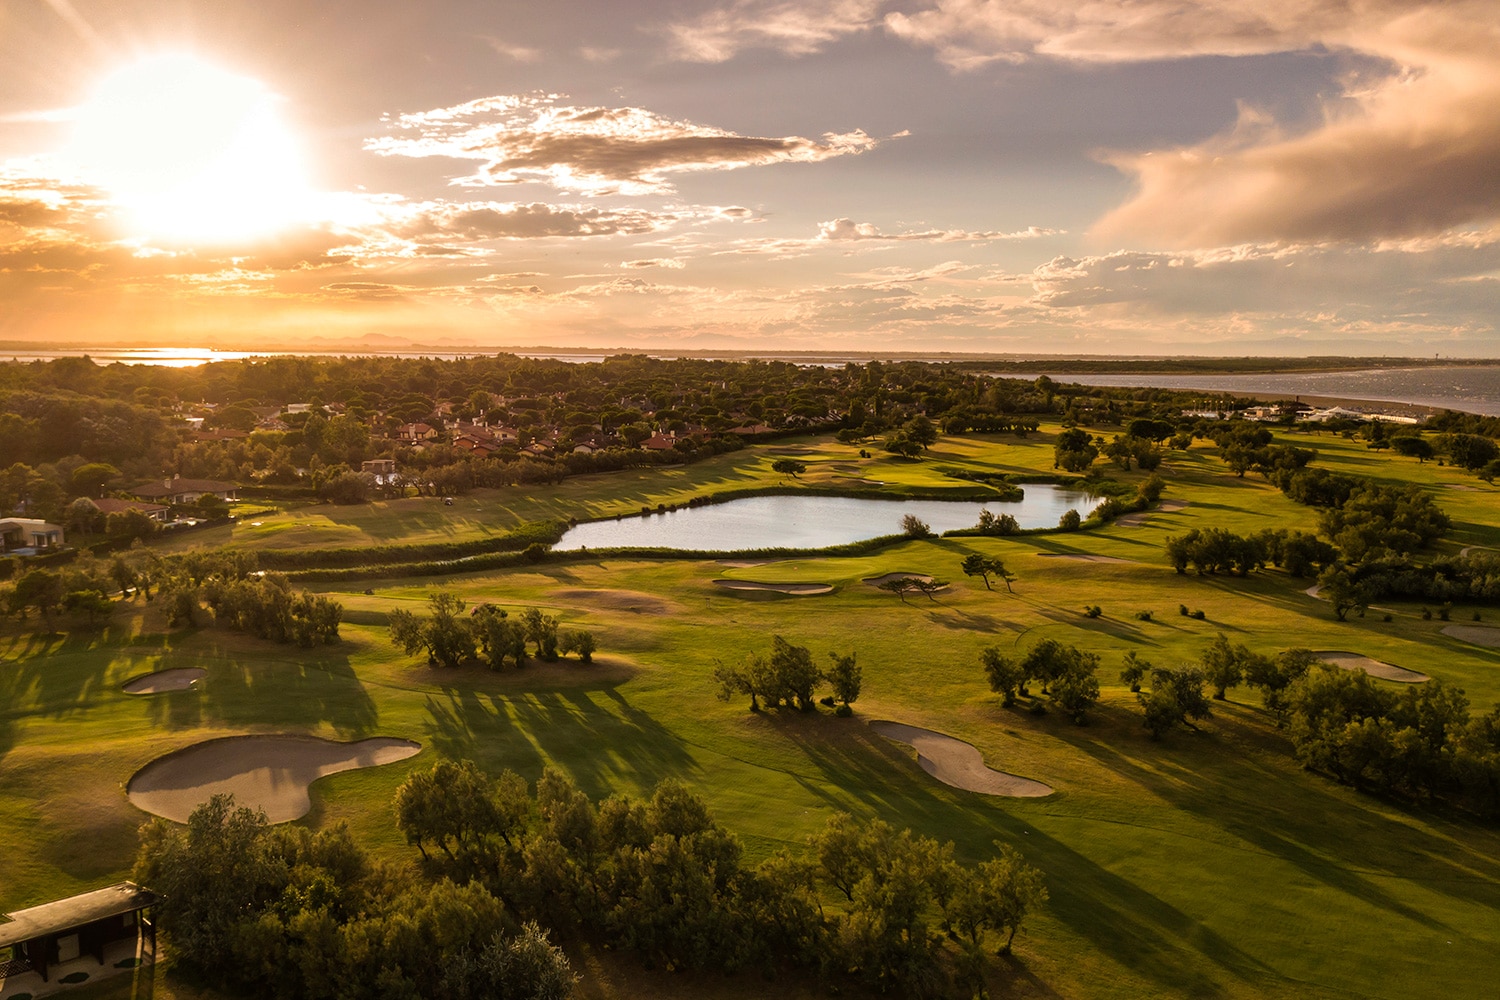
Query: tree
x: 500, y: 637
x: 580, y: 642
x: 448, y: 639
x: 975, y: 564
x: 914, y: 527
x: 1223, y: 664
x: 921, y: 430
x: 1342, y: 592
x: 900, y: 443
x: 210, y: 875
x: 1070, y: 521
x: 788, y: 467
x: 794, y: 674
x: 1006, y: 890
x: 844, y: 677
x: 1133, y: 670
x: 1175, y: 697
x: 929, y: 587
x: 900, y: 586
x: 541, y: 629
x: 1412, y: 446
x: 991, y: 524
x: 88, y: 480
x: 751, y: 677
x: 453, y: 807
x: 1005, y: 675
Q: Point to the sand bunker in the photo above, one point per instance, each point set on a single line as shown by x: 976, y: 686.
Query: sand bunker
x: 176, y: 679
x: 1139, y: 518
x: 956, y: 763
x: 1479, y: 635
x: 1375, y: 668
x: 262, y: 772
x: 1081, y: 557
x: 618, y: 600
x: 745, y: 563
x: 876, y: 581
x: 795, y: 589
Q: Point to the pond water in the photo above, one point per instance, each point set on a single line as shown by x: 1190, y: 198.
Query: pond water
x: 810, y: 522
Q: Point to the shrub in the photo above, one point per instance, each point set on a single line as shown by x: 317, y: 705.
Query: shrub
x: 1143, y: 616
x: 1092, y: 611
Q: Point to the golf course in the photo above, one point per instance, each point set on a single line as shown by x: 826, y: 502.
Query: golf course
x: 1206, y: 863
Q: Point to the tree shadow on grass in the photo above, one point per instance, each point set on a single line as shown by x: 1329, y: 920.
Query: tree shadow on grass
x: 1127, y: 922
x: 246, y: 689
x: 592, y: 731
x: 1281, y: 811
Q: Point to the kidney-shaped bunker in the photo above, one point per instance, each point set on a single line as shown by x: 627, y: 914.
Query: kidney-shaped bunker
x: 272, y: 773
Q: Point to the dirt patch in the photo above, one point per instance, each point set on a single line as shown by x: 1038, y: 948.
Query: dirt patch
x: 176, y: 679
x: 1375, y: 668
x: 1479, y: 635
x: 1139, y: 518
x: 272, y: 773
x: 960, y: 764
x: 1082, y: 557
x: 795, y: 589
x: 633, y: 601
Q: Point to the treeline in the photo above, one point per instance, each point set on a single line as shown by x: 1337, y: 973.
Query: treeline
x: 449, y: 638
x: 1363, y: 520
x: 1420, y: 743
x: 238, y: 595
x: 660, y: 878
x: 1217, y: 550
x: 789, y: 676
x: 283, y: 911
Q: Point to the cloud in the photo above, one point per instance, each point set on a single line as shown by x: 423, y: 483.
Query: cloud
x: 672, y: 263
x: 1432, y: 286
x: 1410, y: 152
x: 591, y: 150
x: 846, y: 230
x: 510, y: 221
x: 968, y: 34
x: 851, y: 237
x: 796, y: 29
x: 518, y: 53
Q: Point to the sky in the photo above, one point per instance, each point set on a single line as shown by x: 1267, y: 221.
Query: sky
x: 1204, y: 177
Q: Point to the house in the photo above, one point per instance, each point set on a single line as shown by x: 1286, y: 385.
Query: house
x: 29, y: 534
x: 417, y: 432
x: 114, y: 505
x: 87, y: 936
x: 383, y: 469
x: 750, y: 430
x: 178, y: 490
x: 658, y: 442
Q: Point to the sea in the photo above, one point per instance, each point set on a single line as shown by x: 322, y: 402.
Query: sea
x: 1468, y: 388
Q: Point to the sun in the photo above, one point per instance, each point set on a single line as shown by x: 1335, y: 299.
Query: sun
x: 191, y: 152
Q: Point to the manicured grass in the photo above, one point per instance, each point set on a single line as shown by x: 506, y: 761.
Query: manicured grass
x: 1207, y: 864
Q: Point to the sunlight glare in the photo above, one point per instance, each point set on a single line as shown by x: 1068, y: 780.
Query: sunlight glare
x: 191, y: 151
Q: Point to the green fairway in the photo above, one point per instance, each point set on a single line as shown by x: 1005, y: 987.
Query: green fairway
x: 1205, y: 865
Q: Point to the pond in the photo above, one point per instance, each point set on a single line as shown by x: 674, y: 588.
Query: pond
x: 812, y: 522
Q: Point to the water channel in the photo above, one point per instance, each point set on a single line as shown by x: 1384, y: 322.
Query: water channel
x: 812, y: 522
